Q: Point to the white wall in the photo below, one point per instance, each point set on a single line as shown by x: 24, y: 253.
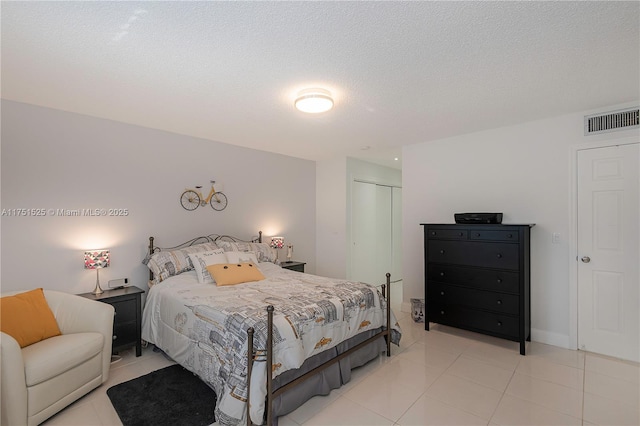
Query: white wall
x: 331, y: 227
x: 522, y: 171
x: 58, y: 160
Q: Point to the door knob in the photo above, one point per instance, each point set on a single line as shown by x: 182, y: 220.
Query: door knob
x: 586, y: 259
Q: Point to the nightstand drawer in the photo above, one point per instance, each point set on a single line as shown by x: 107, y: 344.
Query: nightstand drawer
x: 125, y: 311
x: 124, y: 334
x: 293, y: 266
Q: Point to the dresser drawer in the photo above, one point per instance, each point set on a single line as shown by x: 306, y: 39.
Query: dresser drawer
x: 443, y: 294
x: 447, y: 233
x: 481, y: 235
x: 492, y: 323
x: 483, y: 279
x: 488, y: 255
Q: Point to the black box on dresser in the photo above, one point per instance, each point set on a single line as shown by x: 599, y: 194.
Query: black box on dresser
x: 477, y: 277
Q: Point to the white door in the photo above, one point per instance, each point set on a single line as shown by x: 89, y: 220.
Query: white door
x: 372, y: 232
x: 608, y: 251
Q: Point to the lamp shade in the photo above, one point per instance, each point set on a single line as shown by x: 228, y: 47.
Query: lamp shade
x: 277, y: 242
x: 96, y: 259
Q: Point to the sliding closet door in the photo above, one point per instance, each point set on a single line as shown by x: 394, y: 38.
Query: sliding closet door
x: 363, y: 235
x: 374, y: 251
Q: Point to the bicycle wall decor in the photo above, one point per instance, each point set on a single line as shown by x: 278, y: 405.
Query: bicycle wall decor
x: 192, y: 198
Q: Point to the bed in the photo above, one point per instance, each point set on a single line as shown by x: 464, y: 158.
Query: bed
x: 310, y: 330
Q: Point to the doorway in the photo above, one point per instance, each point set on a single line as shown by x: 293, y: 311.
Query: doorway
x: 607, y: 250
x: 376, y: 232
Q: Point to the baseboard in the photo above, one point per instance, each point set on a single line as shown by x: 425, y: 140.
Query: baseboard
x: 551, y: 338
x: 540, y: 336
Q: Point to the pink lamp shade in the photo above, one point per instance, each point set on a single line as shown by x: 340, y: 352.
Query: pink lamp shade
x: 96, y: 259
x: 277, y: 242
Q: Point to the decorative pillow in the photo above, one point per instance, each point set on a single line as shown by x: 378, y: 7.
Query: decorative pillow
x: 263, y: 251
x: 241, y: 257
x: 205, y: 258
x: 27, y: 317
x: 165, y: 264
x: 235, y: 273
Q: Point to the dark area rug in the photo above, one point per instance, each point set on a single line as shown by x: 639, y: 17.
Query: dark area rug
x: 169, y: 396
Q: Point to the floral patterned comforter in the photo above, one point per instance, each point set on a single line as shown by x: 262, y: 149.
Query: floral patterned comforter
x: 203, y: 327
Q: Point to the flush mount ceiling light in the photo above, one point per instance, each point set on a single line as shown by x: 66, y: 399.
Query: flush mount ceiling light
x: 314, y: 101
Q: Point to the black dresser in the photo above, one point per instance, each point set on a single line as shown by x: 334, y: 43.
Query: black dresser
x: 477, y: 277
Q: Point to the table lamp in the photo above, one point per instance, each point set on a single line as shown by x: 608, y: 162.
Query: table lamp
x: 96, y: 259
x: 277, y: 243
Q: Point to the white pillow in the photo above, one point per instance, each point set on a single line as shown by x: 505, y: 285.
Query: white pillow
x: 205, y: 258
x: 241, y: 257
x: 165, y: 264
x: 264, y: 253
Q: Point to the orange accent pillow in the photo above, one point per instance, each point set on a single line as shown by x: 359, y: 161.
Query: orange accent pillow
x: 27, y: 317
x: 234, y: 273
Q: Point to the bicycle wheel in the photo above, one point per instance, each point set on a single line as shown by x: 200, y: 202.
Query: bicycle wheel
x: 190, y: 200
x: 220, y: 203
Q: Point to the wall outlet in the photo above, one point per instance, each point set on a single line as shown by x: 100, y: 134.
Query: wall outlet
x: 120, y: 282
x: 555, y: 238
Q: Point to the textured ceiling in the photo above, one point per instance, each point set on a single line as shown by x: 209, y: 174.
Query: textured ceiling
x: 401, y: 72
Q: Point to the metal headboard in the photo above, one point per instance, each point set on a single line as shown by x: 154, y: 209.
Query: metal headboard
x: 211, y: 238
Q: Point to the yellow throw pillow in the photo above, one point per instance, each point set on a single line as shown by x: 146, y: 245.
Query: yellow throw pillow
x: 234, y: 273
x: 27, y: 317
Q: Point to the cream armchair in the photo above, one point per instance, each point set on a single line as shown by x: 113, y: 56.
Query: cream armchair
x: 41, y: 379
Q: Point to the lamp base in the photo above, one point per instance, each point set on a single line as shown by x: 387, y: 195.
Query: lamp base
x: 98, y: 289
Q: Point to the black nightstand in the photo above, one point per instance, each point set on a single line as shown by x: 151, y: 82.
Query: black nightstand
x: 127, y: 324
x: 293, y: 265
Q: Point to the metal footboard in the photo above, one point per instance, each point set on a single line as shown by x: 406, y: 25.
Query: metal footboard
x: 271, y: 395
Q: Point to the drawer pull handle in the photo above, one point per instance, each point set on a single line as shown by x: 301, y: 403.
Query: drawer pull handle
x: 499, y: 256
x: 441, y: 251
x: 477, y: 234
x: 461, y: 234
x: 115, y: 337
x: 509, y: 236
x: 499, y: 280
x: 441, y: 312
x: 499, y: 302
x: 433, y: 232
x: 442, y: 293
x: 442, y: 274
x: 499, y: 323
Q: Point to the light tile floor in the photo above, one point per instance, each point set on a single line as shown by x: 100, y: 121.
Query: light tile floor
x: 442, y: 377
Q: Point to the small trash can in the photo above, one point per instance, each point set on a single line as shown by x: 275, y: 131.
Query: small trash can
x: 417, y: 310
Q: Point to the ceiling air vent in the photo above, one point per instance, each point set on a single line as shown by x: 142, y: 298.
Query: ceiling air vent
x: 611, y: 121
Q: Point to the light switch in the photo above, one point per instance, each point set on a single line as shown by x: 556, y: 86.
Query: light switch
x: 555, y: 238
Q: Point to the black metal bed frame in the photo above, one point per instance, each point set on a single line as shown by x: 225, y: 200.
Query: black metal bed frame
x: 253, y: 354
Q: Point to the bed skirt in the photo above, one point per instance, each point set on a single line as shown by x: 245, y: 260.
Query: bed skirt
x: 330, y: 378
